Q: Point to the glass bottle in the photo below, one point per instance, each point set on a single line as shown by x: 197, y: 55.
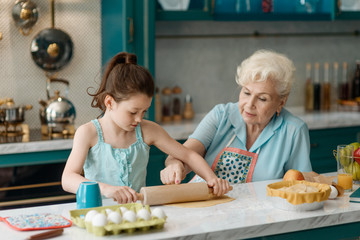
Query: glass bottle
x: 166, y: 105
x: 267, y: 6
x: 356, y: 81
x: 317, y: 88
x: 344, y: 87
x: 326, y: 87
x: 309, y: 90
x: 188, y: 108
x: 176, y: 107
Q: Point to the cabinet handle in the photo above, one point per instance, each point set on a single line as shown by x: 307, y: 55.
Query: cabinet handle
x: 314, y: 145
x: 131, y: 29
x: 212, y: 7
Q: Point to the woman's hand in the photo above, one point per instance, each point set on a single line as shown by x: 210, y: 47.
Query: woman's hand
x: 219, y: 186
x: 120, y: 194
x: 174, y: 173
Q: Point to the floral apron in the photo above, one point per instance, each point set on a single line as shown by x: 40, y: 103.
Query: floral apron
x: 233, y: 164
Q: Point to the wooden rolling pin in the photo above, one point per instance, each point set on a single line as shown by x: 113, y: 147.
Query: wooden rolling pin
x: 188, y: 192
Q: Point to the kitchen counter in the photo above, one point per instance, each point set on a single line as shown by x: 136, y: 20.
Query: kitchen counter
x: 250, y: 215
x: 181, y: 130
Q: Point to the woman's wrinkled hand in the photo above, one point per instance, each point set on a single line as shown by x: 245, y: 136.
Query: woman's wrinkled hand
x: 173, y: 173
x: 219, y: 186
x: 121, y: 194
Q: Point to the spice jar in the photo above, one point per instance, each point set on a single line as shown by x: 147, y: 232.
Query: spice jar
x: 166, y: 105
x: 176, y: 107
x: 188, y: 109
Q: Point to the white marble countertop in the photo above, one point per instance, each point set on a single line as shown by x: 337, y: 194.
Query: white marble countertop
x: 181, y: 130
x: 249, y: 215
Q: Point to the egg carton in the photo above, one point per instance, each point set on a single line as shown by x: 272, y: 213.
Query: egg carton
x: 78, y: 218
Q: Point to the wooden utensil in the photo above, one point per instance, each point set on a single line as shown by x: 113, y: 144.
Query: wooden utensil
x: 47, y: 234
x: 188, y: 192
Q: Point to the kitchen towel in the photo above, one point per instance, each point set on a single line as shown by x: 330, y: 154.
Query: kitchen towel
x: 36, y: 221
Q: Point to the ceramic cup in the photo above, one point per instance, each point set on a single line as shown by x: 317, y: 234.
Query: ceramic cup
x: 88, y: 195
x: 345, y: 162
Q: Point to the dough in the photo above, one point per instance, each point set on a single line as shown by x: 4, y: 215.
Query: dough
x: 300, y: 188
x: 205, y: 203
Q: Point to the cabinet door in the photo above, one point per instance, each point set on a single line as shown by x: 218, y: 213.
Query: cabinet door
x: 323, y: 142
x: 117, y: 28
x: 129, y: 26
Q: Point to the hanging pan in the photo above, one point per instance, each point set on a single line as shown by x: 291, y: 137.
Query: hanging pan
x: 52, y: 48
x: 25, y: 15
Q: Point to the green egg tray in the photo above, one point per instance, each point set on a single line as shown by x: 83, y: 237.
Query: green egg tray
x: 78, y: 218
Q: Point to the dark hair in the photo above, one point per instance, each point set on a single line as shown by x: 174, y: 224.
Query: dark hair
x: 123, y: 77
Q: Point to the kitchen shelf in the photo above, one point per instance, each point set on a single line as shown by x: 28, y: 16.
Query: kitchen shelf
x: 223, y: 11
x: 183, y: 15
x: 274, y: 17
x: 348, y: 16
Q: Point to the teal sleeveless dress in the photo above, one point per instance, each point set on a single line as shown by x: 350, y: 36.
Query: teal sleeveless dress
x: 118, y: 166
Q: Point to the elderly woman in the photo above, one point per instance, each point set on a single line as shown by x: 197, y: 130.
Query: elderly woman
x: 256, y: 138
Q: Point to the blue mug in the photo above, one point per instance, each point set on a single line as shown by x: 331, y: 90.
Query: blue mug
x: 88, y: 195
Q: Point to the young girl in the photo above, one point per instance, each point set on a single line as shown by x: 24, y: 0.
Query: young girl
x: 114, y: 149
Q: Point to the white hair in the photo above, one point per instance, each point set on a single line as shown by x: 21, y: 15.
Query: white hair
x: 267, y: 65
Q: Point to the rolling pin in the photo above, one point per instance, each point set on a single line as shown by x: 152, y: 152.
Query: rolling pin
x: 164, y: 194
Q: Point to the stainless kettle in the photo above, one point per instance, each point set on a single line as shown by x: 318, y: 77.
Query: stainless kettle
x: 57, y: 110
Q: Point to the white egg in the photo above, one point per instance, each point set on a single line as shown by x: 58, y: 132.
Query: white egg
x: 108, y: 211
x: 143, y: 214
x: 129, y: 216
x: 158, y: 212
x: 99, y: 220
x: 123, y: 210
x: 90, y: 214
x: 333, y: 193
x: 114, y: 217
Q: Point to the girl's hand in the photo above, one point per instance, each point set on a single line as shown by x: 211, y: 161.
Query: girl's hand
x: 121, y: 194
x: 173, y: 173
x: 219, y: 186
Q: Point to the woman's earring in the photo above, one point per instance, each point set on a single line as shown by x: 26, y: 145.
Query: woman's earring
x: 277, y: 113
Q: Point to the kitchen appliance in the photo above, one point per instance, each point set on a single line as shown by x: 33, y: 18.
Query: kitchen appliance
x: 25, y: 15
x: 57, y: 114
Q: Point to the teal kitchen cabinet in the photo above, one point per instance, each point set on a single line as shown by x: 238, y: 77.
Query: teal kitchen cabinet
x: 129, y: 26
x: 324, y: 141
x: 242, y: 10
x: 34, y: 158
